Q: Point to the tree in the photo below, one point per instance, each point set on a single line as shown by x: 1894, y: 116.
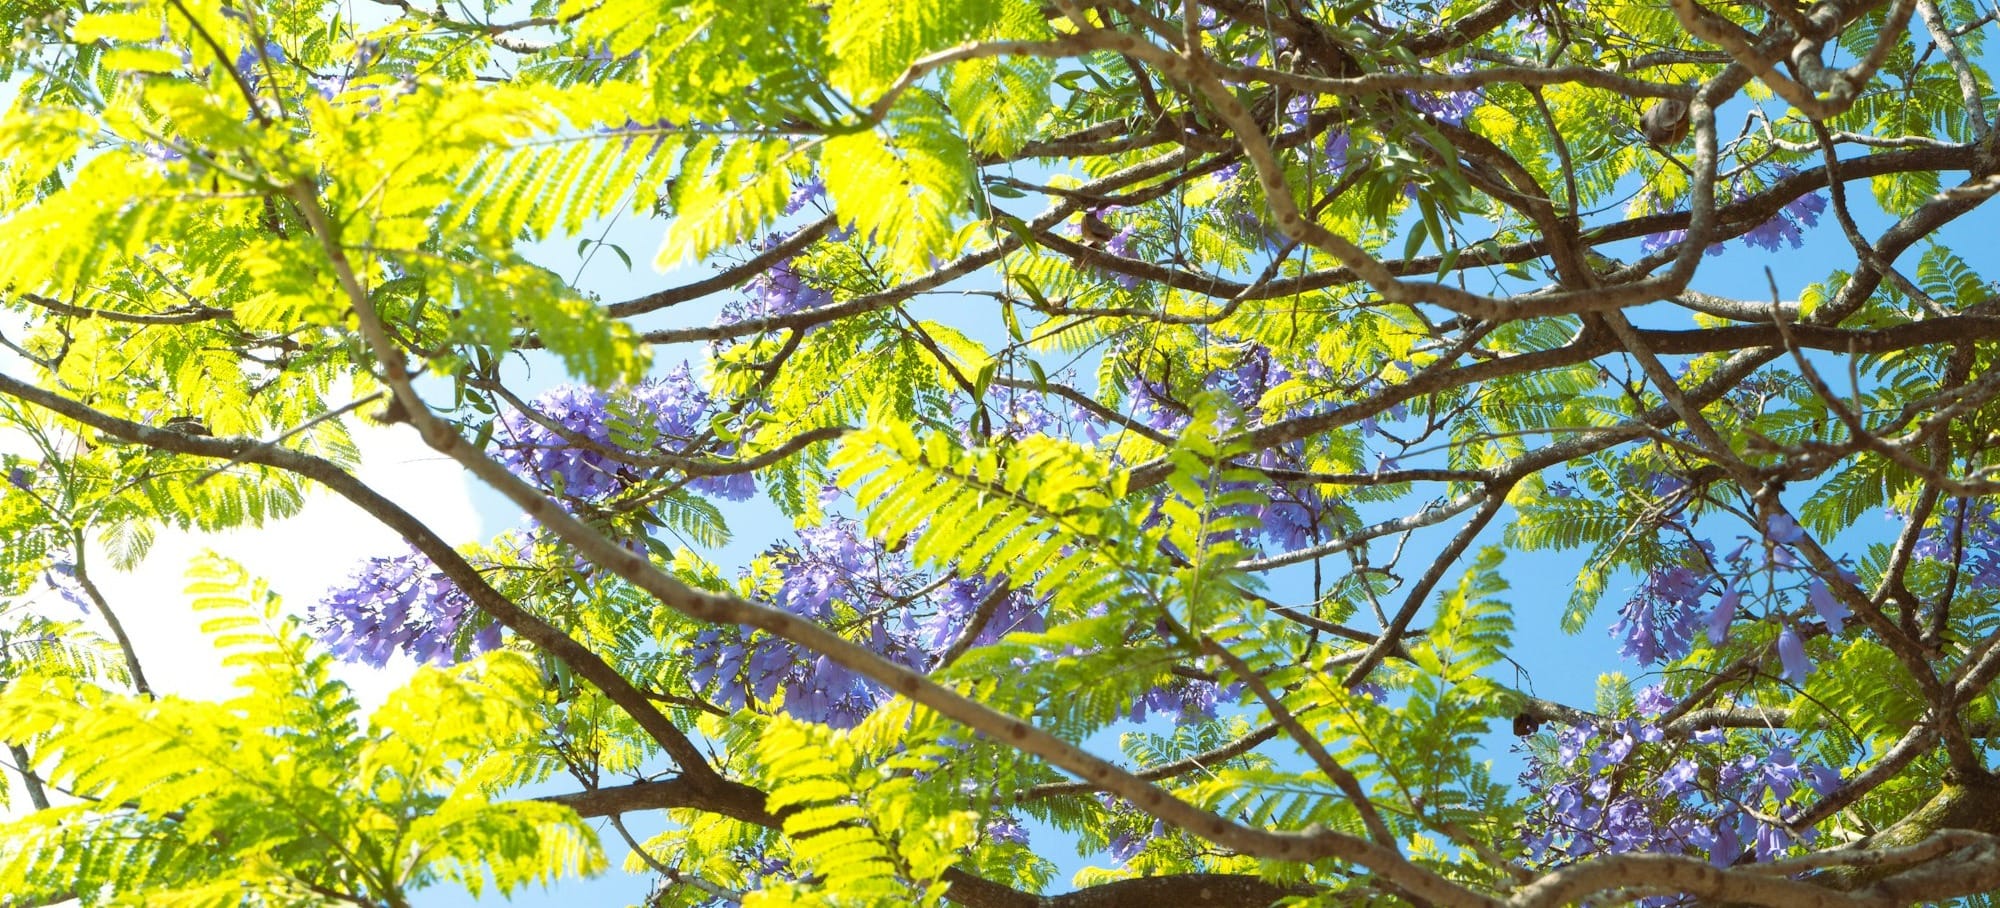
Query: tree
x: 1179, y: 370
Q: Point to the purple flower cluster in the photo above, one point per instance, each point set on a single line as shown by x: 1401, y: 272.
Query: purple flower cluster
x: 779, y: 290
x: 1672, y: 239
x: 250, y: 62
x: 1024, y: 412
x: 1182, y: 700
x: 1244, y: 381
x: 812, y: 190
x: 1006, y: 829
x: 839, y: 578
x: 776, y: 292
x: 583, y: 455
x: 1657, y: 624
x: 61, y: 577
x: 1335, y: 144
x: 1290, y: 516
x: 1788, y: 224
x: 1120, y: 245
x: 1153, y: 404
x: 1448, y: 107
x: 1127, y: 844
x: 1624, y: 788
x: 1967, y: 533
x: 400, y: 603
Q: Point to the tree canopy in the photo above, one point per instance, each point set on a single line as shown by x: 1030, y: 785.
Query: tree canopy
x: 1157, y: 422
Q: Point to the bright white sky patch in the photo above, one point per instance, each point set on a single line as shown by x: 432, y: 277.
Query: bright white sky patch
x: 300, y: 558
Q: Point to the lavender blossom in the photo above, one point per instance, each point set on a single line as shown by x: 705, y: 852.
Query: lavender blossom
x: 400, y: 603
x: 778, y: 291
x: 1830, y: 610
x: 1657, y: 623
x: 839, y: 578
x: 579, y: 457
x: 1792, y: 654
x: 1592, y: 797
x: 1448, y: 107
x: 1672, y: 239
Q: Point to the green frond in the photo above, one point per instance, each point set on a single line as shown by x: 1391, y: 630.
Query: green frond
x: 904, y: 184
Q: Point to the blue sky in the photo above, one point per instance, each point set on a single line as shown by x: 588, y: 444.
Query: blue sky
x: 1561, y: 667
x: 1558, y: 666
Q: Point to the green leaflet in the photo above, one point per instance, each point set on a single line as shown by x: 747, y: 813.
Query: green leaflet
x: 998, y: 101
x: 727, y: 192
x: 282, y: 793
x: 902, y: 185
x: 875, y: 40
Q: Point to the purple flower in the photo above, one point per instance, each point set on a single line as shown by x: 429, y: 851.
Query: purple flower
x: 1449, y: 107
x: 1725, y: 612
x: 1772, y: 234
x: 1337, y: 143
x: 1771, y: 841
x: 1806, y: 208
x: 20, y: 478
x: 1004, y: 829
x: 1671, y: 239
x: 1967, y: 534
x: 1655, y: 242
x: 1677, y: 779
x: 1778, y: 772
x: 1180, y: 700
x: 1782, y: 529
x: 1604, y: 807
x: 578, y: 449
x: 1120, y: 245
x: 1298, y: 109
x: 1792, y: 653
x: 805, y: 194
x: 778, y: 291
x: 1153, y: 404
x: 1126, y: 845
x: 61, y: 577
x: 841, y: 579
x: 399, y: 603
x: 1720, y: 840
x: 251, y: 64
x: 1657, y: 623
x: 1570, y: 743
x: 1612, y: 753
x: 1653, y: 701
x: 1783, y: 227
x: 1830, y: 609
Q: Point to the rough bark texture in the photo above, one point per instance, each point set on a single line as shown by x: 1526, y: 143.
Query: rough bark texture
x: 1965, y: 803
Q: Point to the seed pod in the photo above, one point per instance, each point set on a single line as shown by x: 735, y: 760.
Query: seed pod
x: 1665, y: 122
x: 1096, y: 231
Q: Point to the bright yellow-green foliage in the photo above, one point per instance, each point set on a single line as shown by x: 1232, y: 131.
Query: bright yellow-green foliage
x: 1172, y: 372
x: 286, y: 793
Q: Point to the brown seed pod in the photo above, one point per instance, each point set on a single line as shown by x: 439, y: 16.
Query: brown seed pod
x: 1665, y: 122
